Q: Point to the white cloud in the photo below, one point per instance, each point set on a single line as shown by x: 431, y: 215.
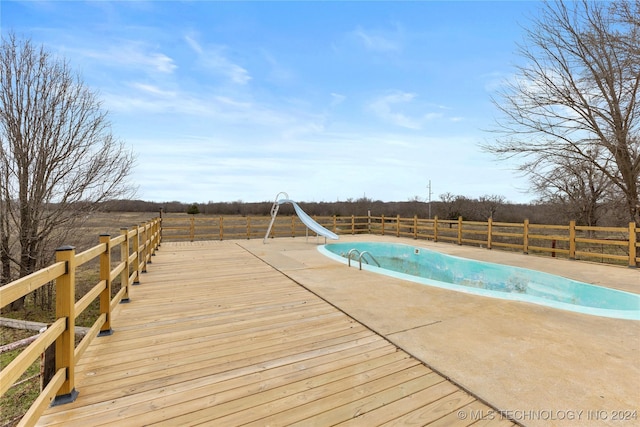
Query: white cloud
x: 161, y: 63
x: 191, y: 41
x: 214, y: 58
x: 431, y: 116
x: 377, y: 41
x: 154, y: 90
x: 403, y: 109
x: 131, y: 54
x: 230, y: 167
x: 337, y: 99
x: 189, y: 104
x: 277, y: 72
x: 230, y: 103
x: 385, y: 108
x: 301, y: 129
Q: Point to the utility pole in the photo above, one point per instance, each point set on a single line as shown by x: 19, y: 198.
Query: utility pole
x: 429, y: 187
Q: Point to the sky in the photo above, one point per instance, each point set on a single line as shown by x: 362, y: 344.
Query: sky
x: 326, y: 101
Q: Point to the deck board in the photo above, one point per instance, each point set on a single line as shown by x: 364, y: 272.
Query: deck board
x: 215, y: 336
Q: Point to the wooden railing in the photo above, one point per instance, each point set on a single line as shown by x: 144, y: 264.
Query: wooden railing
x: 136, y: 245
x: 613, y: 245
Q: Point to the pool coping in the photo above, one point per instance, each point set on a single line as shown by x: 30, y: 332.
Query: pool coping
x: 512, y: 296
x: 539, y: 361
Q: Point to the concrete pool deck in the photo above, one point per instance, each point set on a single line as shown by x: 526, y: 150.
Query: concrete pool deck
x: 541, y: 366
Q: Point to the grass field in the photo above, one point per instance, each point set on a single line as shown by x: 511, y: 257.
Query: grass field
x: 18, y: 399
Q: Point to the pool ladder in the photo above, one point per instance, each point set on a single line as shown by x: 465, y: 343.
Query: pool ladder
x: 361, y: 256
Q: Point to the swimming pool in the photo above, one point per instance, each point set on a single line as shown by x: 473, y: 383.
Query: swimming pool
x: 482, y: 278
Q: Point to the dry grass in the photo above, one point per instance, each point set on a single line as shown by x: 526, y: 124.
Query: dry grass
x: 18, y: 399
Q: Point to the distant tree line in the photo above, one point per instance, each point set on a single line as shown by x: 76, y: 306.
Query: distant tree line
x: 449, y: 206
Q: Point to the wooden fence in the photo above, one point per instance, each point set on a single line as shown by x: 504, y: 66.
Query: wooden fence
x: 136, y: 246
x: 612, y: 245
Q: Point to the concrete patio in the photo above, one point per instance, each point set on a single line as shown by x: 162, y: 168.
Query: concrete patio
x: 540, y: 365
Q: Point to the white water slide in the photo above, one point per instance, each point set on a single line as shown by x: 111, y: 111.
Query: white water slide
x: 306, y: 219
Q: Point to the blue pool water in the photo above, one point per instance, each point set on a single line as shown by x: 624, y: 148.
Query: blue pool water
x: 495, y: 280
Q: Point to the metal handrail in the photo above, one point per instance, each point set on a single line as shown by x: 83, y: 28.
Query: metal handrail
x: 360, y: 257
x: 362, y: 254
x: 349, y: 258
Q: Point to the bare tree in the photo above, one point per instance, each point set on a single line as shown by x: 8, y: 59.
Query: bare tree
x: 58, y: 157
x: 577, y: 186
x: 489, y: 204
x: 576, y: 98
x: 452, y: 205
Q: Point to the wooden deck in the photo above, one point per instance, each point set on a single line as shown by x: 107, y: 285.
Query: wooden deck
x: 215, y: 336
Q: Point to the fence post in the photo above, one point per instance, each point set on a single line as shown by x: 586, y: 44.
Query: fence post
x: 136, y: 251
x: 65, y: 307
x: 632, y: 245
x: 435, y: 228
x: 293, y: 226
x: 460, y: 230
x: 124, y: 257
x: 192, y: 227
x: 248, y: 227
x: 221, y: 228
x: 152, y: 241
x: 398, y: 225
x: 415, y: 227
x: 160, y: 228
x: 144, y: 249
x: 489, y: 232
x: 572, y: 240
x: 353, y: 224
x: 382, y: 221
x: 525, y: 236
x: 105, y: 295
x: 335, y: 224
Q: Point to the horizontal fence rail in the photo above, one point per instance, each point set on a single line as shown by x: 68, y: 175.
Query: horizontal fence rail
x: 612, y: 245
x: 136, y: 246
x: 616, y: 245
